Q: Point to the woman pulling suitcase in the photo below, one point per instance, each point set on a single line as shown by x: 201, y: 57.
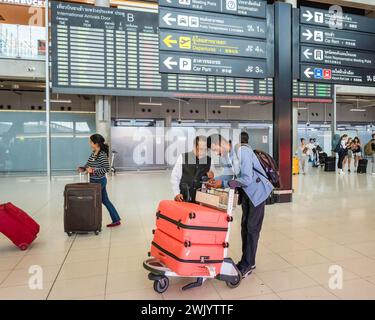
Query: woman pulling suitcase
x: 97, y: 166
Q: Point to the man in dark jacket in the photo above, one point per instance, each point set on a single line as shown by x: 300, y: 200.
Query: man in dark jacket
x: 189, y: 170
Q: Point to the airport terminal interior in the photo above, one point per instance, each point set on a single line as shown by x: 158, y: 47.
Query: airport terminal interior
x: 320, y: 244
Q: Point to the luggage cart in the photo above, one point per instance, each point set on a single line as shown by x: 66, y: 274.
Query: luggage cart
x: 113, y: 169
x: 160, y: 273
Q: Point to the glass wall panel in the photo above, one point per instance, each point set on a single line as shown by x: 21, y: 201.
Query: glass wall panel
x: 23, y: 140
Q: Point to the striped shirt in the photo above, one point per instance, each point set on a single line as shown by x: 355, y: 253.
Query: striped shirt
x: 99, y: 163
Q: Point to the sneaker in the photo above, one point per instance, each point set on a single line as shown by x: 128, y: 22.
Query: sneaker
x: 246, y: 272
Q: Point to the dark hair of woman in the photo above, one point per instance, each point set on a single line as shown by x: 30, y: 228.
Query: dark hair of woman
x: 99, y: 140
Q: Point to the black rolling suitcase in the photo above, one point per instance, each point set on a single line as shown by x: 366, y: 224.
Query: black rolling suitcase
x: 362, y: 166
x: 330, y: 164
x: 82, y: 208
x: 322, y: 158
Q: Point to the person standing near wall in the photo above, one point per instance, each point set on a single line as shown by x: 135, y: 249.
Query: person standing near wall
x: 341, y: 150
x: 304, y: 156
x: 370, y: 151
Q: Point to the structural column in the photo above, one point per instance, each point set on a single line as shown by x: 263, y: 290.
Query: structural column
x: 282, y: 99
x: 295, y: 110
x: 103, y: 103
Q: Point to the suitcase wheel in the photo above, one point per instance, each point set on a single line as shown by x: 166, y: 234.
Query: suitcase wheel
x: 229, y: 218
x: 97, y: 232
x: 235, y: 282
x: 23, y: 246
x: 161, y: 285
x: 69, y: 233
x: 226, y: 245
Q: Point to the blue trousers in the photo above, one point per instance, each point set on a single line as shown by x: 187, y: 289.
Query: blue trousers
x: 105, y: 199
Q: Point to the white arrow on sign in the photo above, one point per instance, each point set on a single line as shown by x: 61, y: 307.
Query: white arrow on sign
x: 308, y: 34
x: 308, y: 73
x: 169, y: 63
x: 308, y: 15
x: 307, y: 53
x: 168, y: 18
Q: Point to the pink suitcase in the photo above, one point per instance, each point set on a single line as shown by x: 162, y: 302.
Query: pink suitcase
x: 17, y: 225
x: 187, y: 260
x: 194, y: 223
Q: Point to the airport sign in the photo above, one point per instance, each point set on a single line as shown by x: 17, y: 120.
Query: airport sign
x: 182, y: 41
x: 250, y: 8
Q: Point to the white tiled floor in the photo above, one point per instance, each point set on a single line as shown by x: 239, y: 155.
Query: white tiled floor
x: 330, y: 222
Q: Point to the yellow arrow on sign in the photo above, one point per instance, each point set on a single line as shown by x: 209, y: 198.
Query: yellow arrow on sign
x: 169, y: 41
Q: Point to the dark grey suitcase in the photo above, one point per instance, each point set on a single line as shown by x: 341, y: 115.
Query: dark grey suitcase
x: 362, y: 166
x: 82, y: 208
x: 330, y: 164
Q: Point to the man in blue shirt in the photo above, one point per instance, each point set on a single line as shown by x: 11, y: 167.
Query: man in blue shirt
x: 247, y: 170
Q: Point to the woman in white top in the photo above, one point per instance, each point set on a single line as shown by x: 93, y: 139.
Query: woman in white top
x: 304, y: 152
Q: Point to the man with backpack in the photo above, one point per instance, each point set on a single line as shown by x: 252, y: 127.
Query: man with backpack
x: 256, y: 188
x: 370, y: 151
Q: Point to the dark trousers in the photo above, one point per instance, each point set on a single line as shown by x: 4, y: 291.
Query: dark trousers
x: 251, y: 225
x: 342, y: 155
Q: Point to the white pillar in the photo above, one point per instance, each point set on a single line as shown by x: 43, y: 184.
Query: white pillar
x: 334, y: 115
x: 295, y: 128
x: 103, y: 103
x: 48, y: 103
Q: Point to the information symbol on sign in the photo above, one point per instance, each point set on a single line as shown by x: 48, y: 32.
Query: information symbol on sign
x: 318, y: 36
x: 318, y: 55
x: 319, y: 17
x: 318, y: 73
x: 185, y: 64
x: 231, y: 5
x: 327, y: 73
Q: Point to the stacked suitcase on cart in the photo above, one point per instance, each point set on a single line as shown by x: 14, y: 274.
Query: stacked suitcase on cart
x: 189, y: 237
x: 191, y: 240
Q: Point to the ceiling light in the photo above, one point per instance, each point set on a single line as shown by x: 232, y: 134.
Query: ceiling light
x: 59, y: 101
x: 357, y: 110
x: 150, y: 103
x: 232, y: 106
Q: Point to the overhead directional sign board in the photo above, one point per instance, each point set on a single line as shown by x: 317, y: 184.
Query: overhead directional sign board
x: 204, y: 43
x: 189, y: 20
x: 210, y: 65
x: 336, y: 47
x: 221, y: 37
x: 349, y: 75
x: 336, y: 20
x: 337, y: 56
x: 252, y: 8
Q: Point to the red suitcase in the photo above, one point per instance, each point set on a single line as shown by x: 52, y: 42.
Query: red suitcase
x: 193, y: 260
x: 192, y: 222
x: 17, y: 225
